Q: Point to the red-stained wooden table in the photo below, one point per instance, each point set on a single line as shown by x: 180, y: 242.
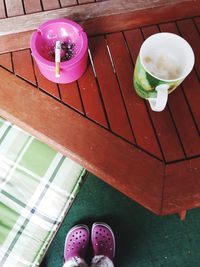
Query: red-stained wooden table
x: 99, y: 121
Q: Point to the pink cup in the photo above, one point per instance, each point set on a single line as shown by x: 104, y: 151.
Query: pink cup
x: 43, y: 42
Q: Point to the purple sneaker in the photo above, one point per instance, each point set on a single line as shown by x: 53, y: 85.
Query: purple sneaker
x: 103, y: 240
x: 76, y: 242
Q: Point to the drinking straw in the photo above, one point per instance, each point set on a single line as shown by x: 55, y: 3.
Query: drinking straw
x: 57, y: 58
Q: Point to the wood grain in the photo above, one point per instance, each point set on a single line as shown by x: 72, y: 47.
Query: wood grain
x: 197, y: 23
x: 190, y: 33
x: 23, y: 66
x: 93, y: 11
x: 70, y: 96
x: 110, y: 90
x: 163, y: 122
x: 14, y: 8
x: 46, y: 85
x: 181, y: 190
x: 191, y: 89
x: 143, y: 171
x: 85, y: 1
x: 50, y: 4
x: 102, y: 17
x: 2, y: 9
x: 91, y: 96
x: 65, y: 3
x: 32, y: 6
x: 15, y: 42
x: 181, y: 113
x: 140, y: 178
x: 143, y: 129
x: 191, y: 83
x: 6, y: 61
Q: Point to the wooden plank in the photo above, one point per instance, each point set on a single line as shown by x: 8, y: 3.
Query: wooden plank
x: 6, y: 61
x: 197, y: 23
x: 103, y: 10
x: 184, y: 123
x: 91, y: 97
x: 85, y: 1
x: 192, y: 80
x: 110, y: 89
x: 163, y: 123
x: 65, y: 3
x: 182, y: 214
x: 167, y: 135
x: 50, y: 4
x: 14, y: 8
x: 2, y: 9
x: 45, y: 84
x: 190, y: 85
x: 108, y: 16
x: 23, y: 66
x: 142, y: 128
x: 190, y: 33
x: 146, y: 140
x: 182, y: 183
x: 125, y: 167
x: 134, y: 40
x: 15, y: 42
x: 70, y: 95
x: 132, y: 18
x: 191, y: 90
x: 182, y: 115
x: 32, y: 6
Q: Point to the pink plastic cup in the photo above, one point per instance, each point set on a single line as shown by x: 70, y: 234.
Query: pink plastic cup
x: 43, y: 42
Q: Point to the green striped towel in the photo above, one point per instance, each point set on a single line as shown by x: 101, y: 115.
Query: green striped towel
x: 37, y: 187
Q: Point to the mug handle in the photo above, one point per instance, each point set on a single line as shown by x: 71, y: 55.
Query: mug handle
x: 159, y: 103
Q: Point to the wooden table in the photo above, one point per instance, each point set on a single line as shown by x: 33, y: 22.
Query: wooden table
x: 99, y: 121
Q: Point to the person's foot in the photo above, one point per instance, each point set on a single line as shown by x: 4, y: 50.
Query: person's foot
x: 76, y: 242
x: 103, y: 240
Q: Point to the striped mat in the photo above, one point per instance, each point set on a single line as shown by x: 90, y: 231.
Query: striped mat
x: 37, y: 187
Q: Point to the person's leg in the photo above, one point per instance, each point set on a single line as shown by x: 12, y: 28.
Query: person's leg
x: 103, y: 243
x: 75, y: 262
x: 101, y: 261
x: 76, y: 244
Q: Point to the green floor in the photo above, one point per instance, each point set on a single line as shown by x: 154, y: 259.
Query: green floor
x: 142, y: 238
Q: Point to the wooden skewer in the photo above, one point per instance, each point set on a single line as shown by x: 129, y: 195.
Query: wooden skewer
x: 57, y: 58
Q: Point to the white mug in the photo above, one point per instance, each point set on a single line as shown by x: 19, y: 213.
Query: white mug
x: 164, y: 61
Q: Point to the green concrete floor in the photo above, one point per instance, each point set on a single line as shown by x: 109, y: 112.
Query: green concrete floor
x: 142, y: 238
